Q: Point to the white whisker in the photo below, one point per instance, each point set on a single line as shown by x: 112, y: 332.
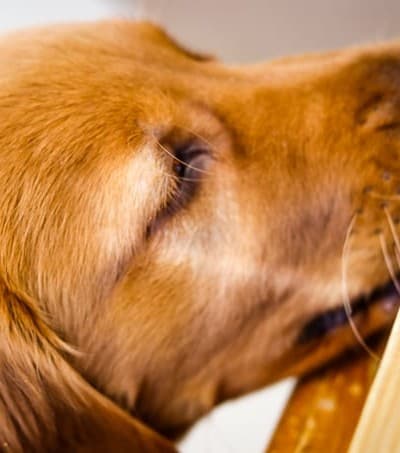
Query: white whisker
x: 397, y: 253
x: 167, y: 151
x: 388, y: 262
x: 197, y: 135
x: 394, y: 234
x: 345, y: 291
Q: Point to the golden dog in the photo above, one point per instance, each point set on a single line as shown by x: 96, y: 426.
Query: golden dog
x: 176, y: 232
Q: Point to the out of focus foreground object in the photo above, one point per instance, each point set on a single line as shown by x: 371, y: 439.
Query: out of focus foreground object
x: 325, y: 407
x: 379, y: 426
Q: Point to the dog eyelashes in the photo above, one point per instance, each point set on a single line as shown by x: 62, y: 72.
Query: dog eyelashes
x: 188, y: 168
x: 188, y: 156
x: 189, y: 163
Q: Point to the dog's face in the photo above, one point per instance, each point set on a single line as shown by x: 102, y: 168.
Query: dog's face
x: 196, y: 230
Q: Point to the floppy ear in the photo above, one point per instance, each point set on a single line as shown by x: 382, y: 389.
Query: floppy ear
x: 45, y: 405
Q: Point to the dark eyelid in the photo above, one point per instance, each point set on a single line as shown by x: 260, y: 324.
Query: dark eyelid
x: 191, y: 150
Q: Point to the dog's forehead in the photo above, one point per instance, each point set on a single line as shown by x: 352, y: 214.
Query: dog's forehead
x: 119, y: 65
x: 119, y: 72
x: 141, y: 55
x: 142, y: 51
x: 147, y: 43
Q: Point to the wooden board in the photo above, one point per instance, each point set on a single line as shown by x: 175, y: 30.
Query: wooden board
x: 325, y: 407
x: 379, y: 426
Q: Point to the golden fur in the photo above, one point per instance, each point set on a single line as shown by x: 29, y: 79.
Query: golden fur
x: 131, y: 296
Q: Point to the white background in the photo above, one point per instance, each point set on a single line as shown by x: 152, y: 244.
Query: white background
x: 244, y: 30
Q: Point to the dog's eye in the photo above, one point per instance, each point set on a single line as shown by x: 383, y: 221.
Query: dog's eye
x: 188, y: 167
x: 189, y: 162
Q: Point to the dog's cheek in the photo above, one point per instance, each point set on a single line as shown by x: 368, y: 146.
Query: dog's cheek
x: 165, y: 343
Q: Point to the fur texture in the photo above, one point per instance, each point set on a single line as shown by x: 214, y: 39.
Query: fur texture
x: 169, y: 225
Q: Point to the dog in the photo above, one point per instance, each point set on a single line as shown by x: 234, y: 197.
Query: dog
x: 176, y: 232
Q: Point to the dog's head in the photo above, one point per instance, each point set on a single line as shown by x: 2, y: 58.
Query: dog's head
x: 194, y: 230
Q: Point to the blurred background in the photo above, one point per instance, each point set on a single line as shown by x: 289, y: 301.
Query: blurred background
x: 235, y: 31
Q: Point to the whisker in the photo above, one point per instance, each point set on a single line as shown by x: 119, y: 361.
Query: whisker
x: 394, y: 234
x: 160, y: 170
x: 167, y: 175
x: 167, y: 151
x: 388, y: 262
x: 197, y: 135
x: 345, y: 292
x: 177, y: 179
x: 397, y: 253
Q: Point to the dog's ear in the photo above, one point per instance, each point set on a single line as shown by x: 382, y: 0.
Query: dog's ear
x: 374, y: 84
x: 45, y: 405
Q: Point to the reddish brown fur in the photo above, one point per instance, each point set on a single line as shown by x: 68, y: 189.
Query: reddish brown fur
x: 114, y: 311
